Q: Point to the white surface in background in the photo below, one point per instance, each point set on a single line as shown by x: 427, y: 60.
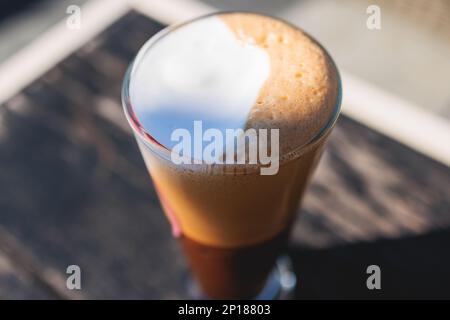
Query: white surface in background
x: 405, y: 57
x: 172, y: 11
x: 56, y: 44
x: 396, y: 118
x: 22, y: 27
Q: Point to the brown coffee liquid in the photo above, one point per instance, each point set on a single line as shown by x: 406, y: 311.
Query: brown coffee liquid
x: 234, y: 273
x: 229, y: 251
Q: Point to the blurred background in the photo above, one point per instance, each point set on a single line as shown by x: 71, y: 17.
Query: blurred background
x: 413, y: 48
x: 74, y: 190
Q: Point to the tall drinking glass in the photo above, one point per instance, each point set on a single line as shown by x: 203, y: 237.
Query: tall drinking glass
x: 232, y: 221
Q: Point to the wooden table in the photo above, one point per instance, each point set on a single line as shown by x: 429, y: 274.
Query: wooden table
x: 74, y: 190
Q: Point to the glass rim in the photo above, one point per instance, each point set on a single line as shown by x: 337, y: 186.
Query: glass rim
x: 164, y: 152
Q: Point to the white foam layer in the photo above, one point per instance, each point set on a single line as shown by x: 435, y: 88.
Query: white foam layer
x: 199, y: 71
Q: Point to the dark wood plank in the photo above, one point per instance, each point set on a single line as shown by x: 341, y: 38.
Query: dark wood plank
x: 22, y: 276
x: 369, y: 187
x: 18, y: 285
x: 74, y: 190
x: 15, y: 286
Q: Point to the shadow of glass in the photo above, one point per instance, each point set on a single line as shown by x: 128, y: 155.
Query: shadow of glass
x: 414, y: 267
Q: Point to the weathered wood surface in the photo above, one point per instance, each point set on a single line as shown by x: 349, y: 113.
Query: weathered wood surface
x: 74, y: 190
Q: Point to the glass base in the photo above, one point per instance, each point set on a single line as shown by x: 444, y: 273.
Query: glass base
x: 280, y: 284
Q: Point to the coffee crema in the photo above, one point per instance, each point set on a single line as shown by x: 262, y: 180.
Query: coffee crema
x: 299, y: 96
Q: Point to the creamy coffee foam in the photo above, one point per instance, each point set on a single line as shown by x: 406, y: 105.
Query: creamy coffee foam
x: 199, y: 71
x: 234, y: 70
x: 300, y: 95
